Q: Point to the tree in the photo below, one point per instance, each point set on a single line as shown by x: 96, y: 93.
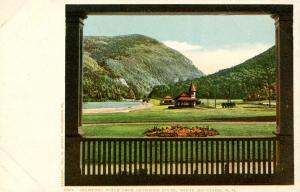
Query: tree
x: 216, y: 87
x: 268, y: 74
x: 207, y: 85
x: 131, y: 94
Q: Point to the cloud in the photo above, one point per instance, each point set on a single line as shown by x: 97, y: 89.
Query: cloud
x: 212, y: 60
x: 182, y: 46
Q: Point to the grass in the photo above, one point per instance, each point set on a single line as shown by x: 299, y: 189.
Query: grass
x: 226, y: 130
x: 243, y: 112
x: 161, y: 115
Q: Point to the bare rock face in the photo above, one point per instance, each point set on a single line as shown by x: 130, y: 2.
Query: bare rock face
x: 181, y: 131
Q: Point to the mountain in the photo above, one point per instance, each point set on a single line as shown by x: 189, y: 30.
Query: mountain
x: 130, y: 66
x: 252, y: 78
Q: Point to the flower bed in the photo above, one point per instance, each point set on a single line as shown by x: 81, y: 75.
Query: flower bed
x: 181, y: 131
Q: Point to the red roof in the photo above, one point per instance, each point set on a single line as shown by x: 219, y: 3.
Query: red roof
x: 182, y: 95
x: 167, y: 97
x: 186, y: 99
x: 192, y: 88
x: 187, y: 96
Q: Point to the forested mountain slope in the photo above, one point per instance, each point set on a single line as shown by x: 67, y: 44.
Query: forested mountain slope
x: 130, y: 66
x: 252, y: 78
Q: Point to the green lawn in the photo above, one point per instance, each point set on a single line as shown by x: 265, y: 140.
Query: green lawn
x: 161, y: 115
x: 243, y: 112
x: 226, y: 130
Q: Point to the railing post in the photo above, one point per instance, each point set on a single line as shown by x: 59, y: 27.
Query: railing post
x: 73, y: 80
x: 285, y: 129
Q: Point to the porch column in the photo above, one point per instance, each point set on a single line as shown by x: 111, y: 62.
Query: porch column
x: 73, y: 95
x: 284, y: 120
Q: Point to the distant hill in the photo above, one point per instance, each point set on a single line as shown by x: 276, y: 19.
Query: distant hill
x: 130, y: 66
x: 252, y: 78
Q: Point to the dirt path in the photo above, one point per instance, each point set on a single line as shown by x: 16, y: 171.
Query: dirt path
x: 118, y: 110
x: 186, y: 123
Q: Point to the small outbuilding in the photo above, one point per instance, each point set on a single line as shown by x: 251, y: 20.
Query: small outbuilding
x: 167, y: 100
x: 187, y: 99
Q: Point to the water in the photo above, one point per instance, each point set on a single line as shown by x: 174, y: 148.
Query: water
x: 110, y: 104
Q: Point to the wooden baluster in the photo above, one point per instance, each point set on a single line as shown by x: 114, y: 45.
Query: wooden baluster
x: 104, y: 157
x: 206, y: 154
x: 130, y: 157
x: 186, y: 157
x: 227, y: 157
x: 274, y: 155
x: 217, y: 157
x: 263, y: 157
x: 120, y: 157
x: 222, y: 156
x: 171, y: 157
x: 181, y: 157
x: 238, y: 156
x: 125, y: 157
x: 192, y: 157
x: 243, y: 157
x: 259, y: 157
x: 94, y: 157
x: 146, y: 155
x: 176, y: 157
x: 161, y: 157
x: 150, y: 148
x: 115, y: 157
x: 135, y: 157
x: 197, y: 157
x: 254, y: 156
x: 248, y: 157
x: 269, y: 156
x: 155, y: 151
x: 140, y: 156
x: 232, y: 158
x: 202, y: 156
x: 83, y: 143
x: 212, y: 157
x: 166, y: 158
x: 89, y: 158
x: 99, y: 156
x: 109, y: 157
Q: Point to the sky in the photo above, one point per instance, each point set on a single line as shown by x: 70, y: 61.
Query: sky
x: 212, y: 43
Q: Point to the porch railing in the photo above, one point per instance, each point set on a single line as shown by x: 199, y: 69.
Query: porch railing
x: 178, y: 156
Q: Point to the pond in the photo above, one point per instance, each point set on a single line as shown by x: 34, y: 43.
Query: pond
x: 110, y: 104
